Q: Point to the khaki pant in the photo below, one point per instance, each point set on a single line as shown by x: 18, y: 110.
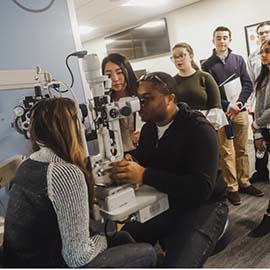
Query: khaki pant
x: 234, y: 153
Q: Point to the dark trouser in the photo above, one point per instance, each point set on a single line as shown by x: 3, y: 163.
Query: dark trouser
x: 188, y: 237
x: 261, y: 166
x: 266, y: 137
x: 123, y: 252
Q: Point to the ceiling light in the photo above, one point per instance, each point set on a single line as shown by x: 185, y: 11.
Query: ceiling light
x: 144, y: 3
x: 152, y: 24
x: 83, y: 29
x: 109, y: 41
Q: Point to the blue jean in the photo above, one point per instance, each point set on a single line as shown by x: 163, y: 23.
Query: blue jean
x: 123, y: 252
x: 187, y: 237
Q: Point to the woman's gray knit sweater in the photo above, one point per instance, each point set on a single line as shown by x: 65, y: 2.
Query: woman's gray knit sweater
x: 67, y: 191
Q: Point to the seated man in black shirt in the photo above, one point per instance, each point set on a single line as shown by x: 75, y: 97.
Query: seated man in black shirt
x: 178, y: 155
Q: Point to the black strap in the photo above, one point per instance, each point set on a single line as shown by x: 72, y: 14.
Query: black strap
x: 134, y: 121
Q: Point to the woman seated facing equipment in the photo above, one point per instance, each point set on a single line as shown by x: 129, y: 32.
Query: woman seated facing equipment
x: 47, y: 222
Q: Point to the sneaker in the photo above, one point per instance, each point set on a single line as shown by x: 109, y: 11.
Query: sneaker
x: 234, y: 197
x: 251, y: 190
x: 262, y: 229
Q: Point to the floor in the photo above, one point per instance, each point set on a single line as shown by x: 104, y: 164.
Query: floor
x: 243, y: 251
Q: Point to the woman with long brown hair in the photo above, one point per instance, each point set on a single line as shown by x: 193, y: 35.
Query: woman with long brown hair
x: 261, y: 124
x: 47, y: 222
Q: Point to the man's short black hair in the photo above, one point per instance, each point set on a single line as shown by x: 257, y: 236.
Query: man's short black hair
x: 163, y: 81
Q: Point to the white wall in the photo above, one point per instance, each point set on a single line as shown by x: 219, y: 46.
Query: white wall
x: 29, y: 40
x: 194, y: 24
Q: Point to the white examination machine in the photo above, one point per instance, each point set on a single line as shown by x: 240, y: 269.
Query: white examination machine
x: 116, y: 203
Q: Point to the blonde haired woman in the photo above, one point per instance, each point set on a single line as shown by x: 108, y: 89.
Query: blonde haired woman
x: 195, y: 87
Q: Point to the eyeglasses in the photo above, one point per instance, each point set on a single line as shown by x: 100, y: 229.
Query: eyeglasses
x: 150, y: 77
x: 175, y: 58
x: 267, y: 32
x: 266, y: 51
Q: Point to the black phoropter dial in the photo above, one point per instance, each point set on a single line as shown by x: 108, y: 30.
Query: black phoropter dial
x: 114, y: 113
x: 125, y: 111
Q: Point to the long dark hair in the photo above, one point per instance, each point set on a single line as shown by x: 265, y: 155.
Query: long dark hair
x: 54, y: 124
x: 123, y: 63
x: 264, y: 71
